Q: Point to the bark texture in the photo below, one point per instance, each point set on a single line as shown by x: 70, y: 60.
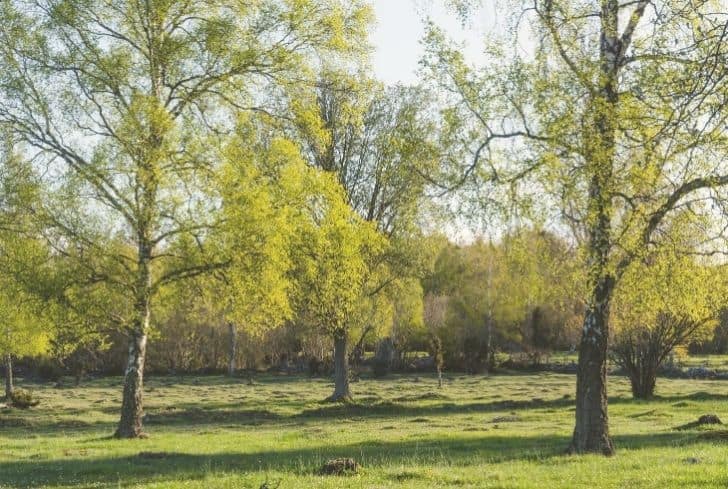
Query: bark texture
x: 132, y: 408
x: 341, y: 369
x: 591, y: 431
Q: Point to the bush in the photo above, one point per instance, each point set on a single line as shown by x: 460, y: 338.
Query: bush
x: 641, y: 351
x: 23, y: 399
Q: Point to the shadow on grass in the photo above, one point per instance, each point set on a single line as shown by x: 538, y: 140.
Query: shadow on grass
x: 205, y: 414
x: 148, y: 466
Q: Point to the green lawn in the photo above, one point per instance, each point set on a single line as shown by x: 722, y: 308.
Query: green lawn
x: 502, y: 431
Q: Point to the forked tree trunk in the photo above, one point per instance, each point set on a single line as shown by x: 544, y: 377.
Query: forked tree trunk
x: 233, y: 349
x: 591, y: 432
x: 341, y: 369
x: 9, y: 377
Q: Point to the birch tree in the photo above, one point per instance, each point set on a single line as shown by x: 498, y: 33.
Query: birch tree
x: 608, y: 116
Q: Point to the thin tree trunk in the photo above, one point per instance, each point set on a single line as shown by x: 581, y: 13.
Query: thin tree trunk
x: 233, y: 349
x: 132, y: 407
x: 9, y: 377
x: 643, y: 382
x: 341, y: 369
x: 439, y: 377
x: 591, y: 431
x: 489, y: 360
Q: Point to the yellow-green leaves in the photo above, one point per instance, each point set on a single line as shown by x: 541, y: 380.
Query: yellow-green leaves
x: 334, y: 254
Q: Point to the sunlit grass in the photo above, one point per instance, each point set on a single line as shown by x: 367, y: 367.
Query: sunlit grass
x: 501, y: 431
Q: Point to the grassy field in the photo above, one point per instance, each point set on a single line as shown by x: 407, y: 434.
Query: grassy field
x: 504, y: 431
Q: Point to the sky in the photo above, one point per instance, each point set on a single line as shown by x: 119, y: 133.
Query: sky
x: 397, y: 50
x: 399, y: 29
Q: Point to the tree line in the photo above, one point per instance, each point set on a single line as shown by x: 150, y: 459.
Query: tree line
x: 176, y: 169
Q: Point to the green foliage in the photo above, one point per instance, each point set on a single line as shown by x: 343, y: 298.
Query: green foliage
x: 670, y: 282
x: 521, y: 290
x: 333, y: 251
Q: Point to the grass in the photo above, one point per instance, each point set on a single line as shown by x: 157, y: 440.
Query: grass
x: 506, y: 431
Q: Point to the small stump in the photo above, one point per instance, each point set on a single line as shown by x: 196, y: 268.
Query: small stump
x: 340, y: 466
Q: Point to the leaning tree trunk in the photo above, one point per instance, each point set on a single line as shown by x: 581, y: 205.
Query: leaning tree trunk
x: 9, y: 376
x: 341, y: 369
x: 132, y: 408
x: 233, y: 349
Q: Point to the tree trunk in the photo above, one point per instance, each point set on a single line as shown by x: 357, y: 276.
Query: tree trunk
x: 132, y: 408
x: 439, y: 377
x: 643, y: 382
x: 9, y: 377
x: 489, y: 358
x: 233, y: 349
x: 341, y: 369
x: 591, y: 432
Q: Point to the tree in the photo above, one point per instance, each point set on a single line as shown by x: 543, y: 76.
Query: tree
x: 24, y: 331
x: 436, y: 353
x: 123, y: 99
x: 666, y: 300
x: 612, y: 122
x: 376, y: 142
x: 333, y: 254
x: 259, y: 187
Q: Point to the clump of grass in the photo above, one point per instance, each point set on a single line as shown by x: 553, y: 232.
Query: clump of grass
x: 719, y: 435
x: 155, y: 455
x: 340, y: 466
x: 23, y: 399
x: 428, y: 396
x: 506, y: 419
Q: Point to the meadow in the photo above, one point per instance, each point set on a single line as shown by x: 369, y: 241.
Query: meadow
x: 503, y: 431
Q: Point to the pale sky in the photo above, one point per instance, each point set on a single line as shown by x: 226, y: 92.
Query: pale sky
x: 396, y: 39
x: 399, y: 29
